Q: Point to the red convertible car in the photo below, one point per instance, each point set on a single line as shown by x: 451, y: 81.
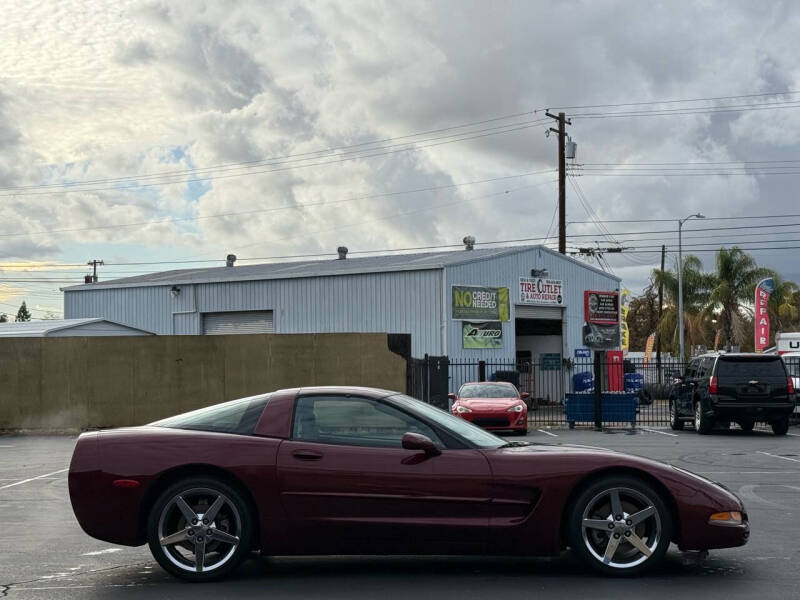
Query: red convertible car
x: 333, y: 470
x: 492, y: 405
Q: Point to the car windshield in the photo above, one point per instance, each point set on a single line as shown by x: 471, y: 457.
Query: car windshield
x: 464, y: 429
x: 487, y: 390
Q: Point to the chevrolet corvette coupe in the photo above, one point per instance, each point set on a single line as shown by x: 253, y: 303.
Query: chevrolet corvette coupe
x: 334, y: 470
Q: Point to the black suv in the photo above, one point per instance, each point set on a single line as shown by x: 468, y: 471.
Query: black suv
x: 719, y: 388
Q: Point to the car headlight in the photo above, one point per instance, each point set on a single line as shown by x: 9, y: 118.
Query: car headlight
x: 462, y: 409
x: 517, y: 408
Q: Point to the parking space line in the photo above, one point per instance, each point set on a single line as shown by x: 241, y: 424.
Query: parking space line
x: 657, y: 431
x: 547, y: 433
x: 3, y: 487
x: 791, y: 434
x: 777, y: 456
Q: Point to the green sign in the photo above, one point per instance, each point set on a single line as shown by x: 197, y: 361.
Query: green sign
x: 550, y: 361
x: 480, y: 303
x: 482, y: 335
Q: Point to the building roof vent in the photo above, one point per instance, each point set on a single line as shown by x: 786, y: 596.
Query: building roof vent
x: 229, y: 260
x: 469, y: 242
x: 342, y: 250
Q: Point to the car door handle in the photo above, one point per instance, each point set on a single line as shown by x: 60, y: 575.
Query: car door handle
x: 306, y: 454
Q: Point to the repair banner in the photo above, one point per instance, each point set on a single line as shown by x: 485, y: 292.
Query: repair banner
x: 764, y: 290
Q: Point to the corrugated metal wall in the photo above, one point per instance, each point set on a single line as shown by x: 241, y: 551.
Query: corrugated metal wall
x: 506, y: 271
x: 399, y: 302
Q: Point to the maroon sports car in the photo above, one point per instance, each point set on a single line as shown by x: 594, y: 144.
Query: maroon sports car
x: 365, y: 471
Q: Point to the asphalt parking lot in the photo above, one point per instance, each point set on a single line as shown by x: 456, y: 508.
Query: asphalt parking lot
x: 44, y: 553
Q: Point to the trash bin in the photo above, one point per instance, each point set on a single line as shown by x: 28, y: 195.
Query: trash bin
x: 634, y: 382
x: 583, y: 382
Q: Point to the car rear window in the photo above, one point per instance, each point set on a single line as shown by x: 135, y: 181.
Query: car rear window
x: 736, y: 367
x: 237, y: 416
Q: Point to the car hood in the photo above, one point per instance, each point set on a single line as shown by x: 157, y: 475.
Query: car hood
x: 489, y: 403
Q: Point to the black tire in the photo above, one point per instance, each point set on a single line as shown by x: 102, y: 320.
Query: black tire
x: 702, y: 423
x: 234, y: 517
x: 747, y: 425
x: 781, y: 426
x: 674, y: 421
x: 654, y: 531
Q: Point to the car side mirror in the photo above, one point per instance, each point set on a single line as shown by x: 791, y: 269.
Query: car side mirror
x: 451, y: 396
x: 524, y: 395
x: 417, y: 441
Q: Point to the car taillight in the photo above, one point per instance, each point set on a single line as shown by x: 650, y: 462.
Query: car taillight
x: 790, y: 383
x: 712, y: 385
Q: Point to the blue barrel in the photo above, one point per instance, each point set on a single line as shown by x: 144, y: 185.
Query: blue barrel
x: 583, y: 382
x: 633, y: 382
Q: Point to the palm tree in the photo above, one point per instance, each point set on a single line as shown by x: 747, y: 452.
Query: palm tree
x: 732, y: 292
x: 783, y: 304
x: 696, y: 312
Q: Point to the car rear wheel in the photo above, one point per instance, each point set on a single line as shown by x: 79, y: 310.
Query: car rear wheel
x: 200, y: 529
x: 674, y: 422
x: 702, y: 424
x: 620, y: 526
x: 781, y: 426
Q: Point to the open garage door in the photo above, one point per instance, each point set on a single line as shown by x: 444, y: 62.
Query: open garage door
x: 227, y: 323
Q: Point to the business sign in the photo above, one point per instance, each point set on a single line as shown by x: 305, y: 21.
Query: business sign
x: 540, y: 291
x: 764, y: 290
x: 550, y: 361
x: 624, y: 307
x: 582, y: 353
x: 482, y: 335
x: 601, y: 329
x: 477, y: 303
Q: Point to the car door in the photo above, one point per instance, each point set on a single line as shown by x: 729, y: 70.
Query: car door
x: 684, y: 401
x: 348, y: 486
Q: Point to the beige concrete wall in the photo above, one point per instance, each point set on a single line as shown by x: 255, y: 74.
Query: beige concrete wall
x: 49, y: 384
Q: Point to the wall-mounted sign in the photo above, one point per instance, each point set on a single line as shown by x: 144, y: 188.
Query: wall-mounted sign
x: 601, y: 320
x: 537, y: 290
x: 482, y: 335
x: 550, y: 361
x: 477, y: 303
x: 582, y: 353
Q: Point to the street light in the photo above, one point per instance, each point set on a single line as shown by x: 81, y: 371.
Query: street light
x: 680, y: 280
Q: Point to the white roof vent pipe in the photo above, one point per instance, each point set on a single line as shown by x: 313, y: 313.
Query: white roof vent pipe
x: 229, y: 260
x: 342, y: 250
x: 469, y: 243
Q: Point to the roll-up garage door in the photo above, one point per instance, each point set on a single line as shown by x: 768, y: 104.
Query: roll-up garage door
x: 538, y: 312
x: 226, y: 323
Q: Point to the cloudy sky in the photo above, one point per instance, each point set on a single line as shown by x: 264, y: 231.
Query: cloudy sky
x: 160, y: 132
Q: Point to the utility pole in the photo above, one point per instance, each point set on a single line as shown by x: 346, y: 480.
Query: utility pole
x: 660, y: 312
x: 94, y: 264
x: 562, y: 178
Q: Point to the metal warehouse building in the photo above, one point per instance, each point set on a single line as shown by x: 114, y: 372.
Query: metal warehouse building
x: 447, y: 301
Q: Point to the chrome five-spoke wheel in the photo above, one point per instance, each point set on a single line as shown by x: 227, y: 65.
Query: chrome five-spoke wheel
x: 620, y: 526
x: 197, y: 529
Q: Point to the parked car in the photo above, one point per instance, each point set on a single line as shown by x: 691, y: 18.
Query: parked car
x: 344, y: 470
x: 493, y: 405
x: 719, y: 388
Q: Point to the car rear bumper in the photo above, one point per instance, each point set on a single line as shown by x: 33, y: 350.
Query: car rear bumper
x: 755, y: 410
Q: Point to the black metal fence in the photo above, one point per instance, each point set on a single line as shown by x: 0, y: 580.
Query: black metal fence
x: 631, y: 390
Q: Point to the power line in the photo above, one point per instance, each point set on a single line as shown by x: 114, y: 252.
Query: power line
x: 651, y: 102
x: 277, y: 208
x: 689, y: 110
x: 748, y: 217
x: 136, y: 186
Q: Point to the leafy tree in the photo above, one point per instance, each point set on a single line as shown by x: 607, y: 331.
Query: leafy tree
x: 642, y: 319
x: 732, y: 292
x: 696, y: 312
x: 23, y: 314
x: 784, y: 307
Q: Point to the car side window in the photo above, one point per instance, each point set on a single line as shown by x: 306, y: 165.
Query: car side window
x: 691, y: 369
x: 708, y: 365
x: 354, y: 421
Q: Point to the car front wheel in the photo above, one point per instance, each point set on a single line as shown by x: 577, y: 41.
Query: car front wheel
x: 620, y: 526
x: 200, y: 529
